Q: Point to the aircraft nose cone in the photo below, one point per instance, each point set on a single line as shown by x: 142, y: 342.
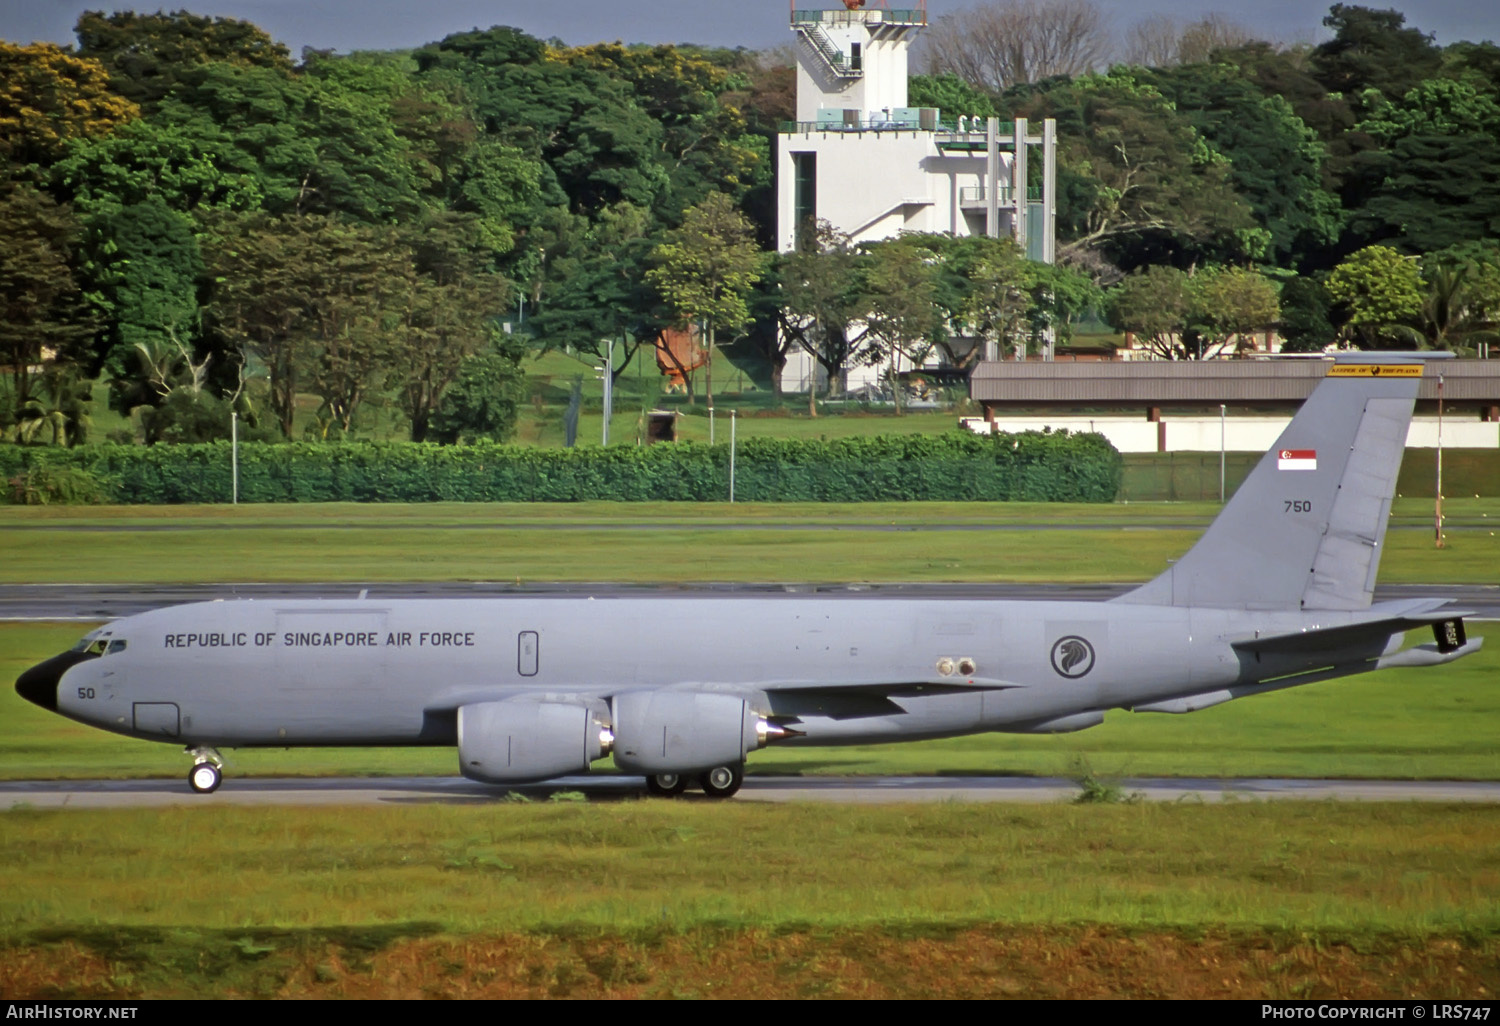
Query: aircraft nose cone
x: 39, y: 684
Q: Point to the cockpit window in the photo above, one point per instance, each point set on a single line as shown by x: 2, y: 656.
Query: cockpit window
x: 95, y: 644
x: 118, y: 645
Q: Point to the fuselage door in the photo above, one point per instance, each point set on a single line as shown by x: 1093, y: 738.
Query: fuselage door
x: 527, y: 654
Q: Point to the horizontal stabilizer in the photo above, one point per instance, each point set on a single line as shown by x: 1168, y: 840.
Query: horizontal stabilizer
x: 1319, y: 639
x: 1428, y: 655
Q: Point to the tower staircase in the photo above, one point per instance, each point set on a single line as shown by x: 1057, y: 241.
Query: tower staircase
x: 833, y: 58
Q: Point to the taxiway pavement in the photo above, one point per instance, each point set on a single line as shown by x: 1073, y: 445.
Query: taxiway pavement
x: 112, y: 794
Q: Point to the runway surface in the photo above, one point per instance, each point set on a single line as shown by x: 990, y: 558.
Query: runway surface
x: 111, y: 794
x: 95, y: 602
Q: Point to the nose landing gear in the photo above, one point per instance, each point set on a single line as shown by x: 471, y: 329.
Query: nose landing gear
x: 207, y: 773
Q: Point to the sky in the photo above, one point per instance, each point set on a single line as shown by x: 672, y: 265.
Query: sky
x: 345, y: 25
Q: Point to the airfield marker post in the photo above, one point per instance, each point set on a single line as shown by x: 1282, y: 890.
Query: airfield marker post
x: 733, y: 418
x: 234, y: 457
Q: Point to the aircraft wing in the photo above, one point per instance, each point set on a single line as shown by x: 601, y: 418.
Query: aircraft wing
x: 895, y: 689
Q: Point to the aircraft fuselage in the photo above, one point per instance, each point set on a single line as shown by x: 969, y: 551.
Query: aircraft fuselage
x: 394, y: 672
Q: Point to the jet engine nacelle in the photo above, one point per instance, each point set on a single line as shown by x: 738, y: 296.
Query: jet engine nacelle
x: 518, y: 739
x: 683, y: 731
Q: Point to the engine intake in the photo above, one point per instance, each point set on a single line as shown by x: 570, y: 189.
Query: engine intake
x: 685, y: 731
x: 518, y: 739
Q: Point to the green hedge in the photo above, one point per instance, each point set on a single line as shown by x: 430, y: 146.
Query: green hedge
x: 1031, y: 466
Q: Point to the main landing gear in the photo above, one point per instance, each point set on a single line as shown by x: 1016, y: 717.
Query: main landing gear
x: 666, y: 785
x: 722, y: 781
x: 719, y: 782
x: 206, y: 774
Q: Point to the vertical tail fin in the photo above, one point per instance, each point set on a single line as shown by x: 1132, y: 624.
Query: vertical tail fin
x: 1306, y: 528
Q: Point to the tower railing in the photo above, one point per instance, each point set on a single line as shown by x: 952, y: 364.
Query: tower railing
x: 875, y: 16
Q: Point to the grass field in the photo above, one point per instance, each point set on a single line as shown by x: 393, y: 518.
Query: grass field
x: 685, y: 542
x: 698, y: 899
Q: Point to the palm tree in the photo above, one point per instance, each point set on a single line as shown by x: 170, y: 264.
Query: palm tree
x: 59, y: 401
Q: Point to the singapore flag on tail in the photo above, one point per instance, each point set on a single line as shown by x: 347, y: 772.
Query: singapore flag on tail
x: 1297, y: 459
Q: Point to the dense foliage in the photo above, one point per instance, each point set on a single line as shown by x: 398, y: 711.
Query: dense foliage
x: 210, y: 226
x: 199, y: 219
x: 1035, y: 467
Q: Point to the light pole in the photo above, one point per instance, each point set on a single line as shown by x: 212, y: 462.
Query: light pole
x: 1437, y: 514
x: 607, y: 375
x: 1221, y: 454
x: 234, y: 457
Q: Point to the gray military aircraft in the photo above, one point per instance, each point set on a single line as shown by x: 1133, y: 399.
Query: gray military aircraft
x: 1276, y: 593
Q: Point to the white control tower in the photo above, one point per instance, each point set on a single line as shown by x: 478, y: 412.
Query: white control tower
x: 853, y: 59
x: 863, y: 160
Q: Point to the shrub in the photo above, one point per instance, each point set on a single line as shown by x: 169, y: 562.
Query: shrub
x: 1032, y: 466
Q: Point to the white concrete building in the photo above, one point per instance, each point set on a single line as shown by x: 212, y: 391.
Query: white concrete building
x: 1240, y: 433
x: 860, y: 158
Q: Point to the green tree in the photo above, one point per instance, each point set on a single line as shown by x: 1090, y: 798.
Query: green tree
x: 1437, y: 181
x: 820, y: 304
x: 500, y: 186
x: 706, y: 269
x: 1285, y: 72
x: 1306, y: 322
x: 144, y: 161
x: 705, y: 144
x: 446, y: 317
x: 1433, y: 107
x: 41, y: 307
x: 484, y: 401
x: 1229, y: 303
x: 1155, y: 305
x: 1381, y: 290
x: 147, y: 54
x: 998, y: 304
x: 1276, y: 161
x: 1373, y: 49
x: 594, y: 293
x: 186, y: 416
x: 952, y: 96
x: 446, y: 157
x: 1061, y: 295
x: 1461, y: 307
x: 902, y: 315
x: 142, y: 273
x: 312, y: 302
x: 311, y: 144
x: 159, y: 365
x: 597, y: 144
x: 1137, y: 183
x: 60, y: 402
